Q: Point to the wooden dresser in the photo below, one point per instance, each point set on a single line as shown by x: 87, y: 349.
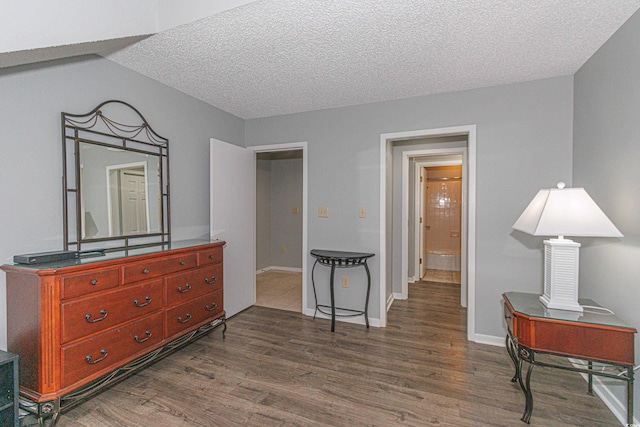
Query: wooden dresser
x: 79, y: 326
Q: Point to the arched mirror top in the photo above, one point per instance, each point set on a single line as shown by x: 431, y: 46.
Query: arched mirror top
x: 116, y: 180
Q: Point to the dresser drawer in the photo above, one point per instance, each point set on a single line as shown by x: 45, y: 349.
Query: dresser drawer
x: 93, y: 314
x: 101, y: 352
x: 75, y: 285
x: 191, y: 313
x: 191, y: 284
x: 210, y: 256
x: 153, y: 268
x: 508, y: 317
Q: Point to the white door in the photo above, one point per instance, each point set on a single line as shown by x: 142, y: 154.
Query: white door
x: 133, y: 201
x: 232, y: 219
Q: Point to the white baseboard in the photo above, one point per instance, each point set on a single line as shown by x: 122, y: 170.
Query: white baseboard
x: 612, y: 402
x: 390, y: 300
x: 489, y: 339
x: 275, y: 267
x: 397, y: 296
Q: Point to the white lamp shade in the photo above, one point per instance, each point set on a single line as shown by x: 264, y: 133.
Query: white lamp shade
x: 565, y: 212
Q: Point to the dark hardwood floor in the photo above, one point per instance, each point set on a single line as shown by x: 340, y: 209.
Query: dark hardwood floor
x: 280, y: 368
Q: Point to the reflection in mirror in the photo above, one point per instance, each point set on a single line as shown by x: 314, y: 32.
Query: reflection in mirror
x: 116, y: 180
x: 120, y: 192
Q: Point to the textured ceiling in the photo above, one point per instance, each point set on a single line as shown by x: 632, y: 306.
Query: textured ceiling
x: 277, y: 57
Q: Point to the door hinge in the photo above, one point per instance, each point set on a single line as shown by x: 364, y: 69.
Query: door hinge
x: 420, y: 179
x: 420, y: 260
x: 420, y: 220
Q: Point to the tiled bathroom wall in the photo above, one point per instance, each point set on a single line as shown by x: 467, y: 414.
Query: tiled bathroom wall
x: 443, y: 210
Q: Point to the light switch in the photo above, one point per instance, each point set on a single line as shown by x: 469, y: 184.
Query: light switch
x: 294, y: 210
x: 323, y: 212
x: 363, y: 212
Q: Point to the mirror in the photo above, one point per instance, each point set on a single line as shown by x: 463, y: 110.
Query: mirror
x: 115, y: 184
x: 116, y: 180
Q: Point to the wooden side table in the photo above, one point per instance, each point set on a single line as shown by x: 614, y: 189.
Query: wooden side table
x: 8, y: 389
x: 592, y: 336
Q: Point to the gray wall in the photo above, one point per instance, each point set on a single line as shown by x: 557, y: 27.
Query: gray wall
x: 606, y: 163
x: 279, y: 190
x: 524, y: 134
x: 31, y: 158
x: 286, y: 226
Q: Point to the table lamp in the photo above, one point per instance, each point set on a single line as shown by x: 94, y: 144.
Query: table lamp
x: 563, y: 212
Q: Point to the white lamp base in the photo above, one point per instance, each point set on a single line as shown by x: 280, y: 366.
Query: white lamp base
x: 561, y: 275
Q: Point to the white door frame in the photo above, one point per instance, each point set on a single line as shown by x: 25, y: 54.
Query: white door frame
x: 110, y: 169
x: 406, y: 155
x: 469, y: 159
x: 420, y: 181
x: 305, y: 212
x: 419, y: 204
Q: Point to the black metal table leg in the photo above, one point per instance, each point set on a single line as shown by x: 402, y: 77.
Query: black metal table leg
x: 224, y: 330
x: 333, y: 300
x: 630, y: 395
x: 313, y: 285
x: 526, y: 387
x: 514, y: 357
x: 366, y: 301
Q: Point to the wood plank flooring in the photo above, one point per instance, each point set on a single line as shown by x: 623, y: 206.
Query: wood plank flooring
x: 280, y: 368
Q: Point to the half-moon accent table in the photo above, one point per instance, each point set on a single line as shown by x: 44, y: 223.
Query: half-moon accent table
x: 340, y: 259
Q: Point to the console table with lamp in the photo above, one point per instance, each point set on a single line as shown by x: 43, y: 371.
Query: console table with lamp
x: 556, y: 324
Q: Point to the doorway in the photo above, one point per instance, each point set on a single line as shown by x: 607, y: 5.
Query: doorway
x: 394, y: 229
x: 279, y: 216
x: 437, y: 229
x: 233, y: 218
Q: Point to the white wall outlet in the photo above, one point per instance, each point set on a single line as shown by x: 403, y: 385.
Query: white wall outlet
x: 363, y: 212
x: 323, y: 212
x: 345, y: 281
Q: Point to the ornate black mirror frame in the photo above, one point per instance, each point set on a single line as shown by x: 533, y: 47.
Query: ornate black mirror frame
x: 130, y: 135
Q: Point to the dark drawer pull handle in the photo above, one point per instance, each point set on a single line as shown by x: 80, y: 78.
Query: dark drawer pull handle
x: 104, y: 353
x: 145, y: 271
x: 182, y: 263
x: 186, y: 289
x: 138, y: 340
x: 210, y: 281
x: 211, y: 307
x: 144, y: 304
x: 94, y: 282
x: 186, y: 319
x: 212, y: 256
x: 104, y: 316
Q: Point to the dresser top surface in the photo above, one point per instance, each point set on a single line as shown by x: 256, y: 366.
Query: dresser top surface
x: 529, y: 305
x: 118, y: 255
